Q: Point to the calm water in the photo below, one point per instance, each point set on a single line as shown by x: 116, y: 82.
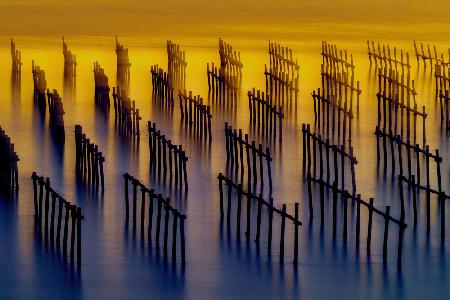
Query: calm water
x: 115, y: 265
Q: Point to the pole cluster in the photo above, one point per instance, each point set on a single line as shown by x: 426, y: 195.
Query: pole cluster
x: 9, y: 174
x: 155, y: 211
x: 56, y: 112
x: 55, y: 216
x: 425, y: 56
x: 162, y: 87
x: 101, y: 88
x: 40, y: 87
x: 252, y: 160
x: 70, y: 64
x: 16, y: 58
x: 123, y: 66
x: 323, y: 160
x: 371, y: 209
x: 282, y: 77
x: 397, y: 106
x: 176, y: 65
x: 167, y: 158
x: 88, y: 160
x: 196, y: 115
x: 442, y: 76
x: 264, y: 115
x: 264, y: 207
x: 225, y: 81
x: 126, y: 114
x: 383, y: 56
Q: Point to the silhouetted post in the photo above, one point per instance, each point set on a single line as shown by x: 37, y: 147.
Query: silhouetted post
x: 386, y: 233
x: 402, y: 198
x: 35, y: 196
x: 41, y: 196
x: 142, y: 211
x: 304, y: 147
x: 261, y: 170
x: 442, y: 199
x: 150, y: 215
x: 249, y: 207
x: 238, y: 222
x: 258, y: 220
x: 174, y: 235
x: 66, y: 229
x: 269, y: 234
x: 221, y: 195
x: 296, y: 235
x: 438, y: 160
x: 255, y: 174
x: 183, y: 247
x: 358, y: 219
x: 249, y: 169
x: 400, y: 160
x: 72, y: 233
x: 269, y: 170
x: 283, y: 225
x: 311, y: 212
x: 102, y: 175
x: 166, y: 227
x: 230, y: 189
x: 79, y: 218
x: 427, y: 163
x: 322, y: 208
x: 134, y: 183
x: 335, y: 192
x: 369, y: 227
x: 127, y: 202
x: 158, y: 218
x: 58, y: 226
x: 344, y: 197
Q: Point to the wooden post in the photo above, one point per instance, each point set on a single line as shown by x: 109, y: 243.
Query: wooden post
x: 258, y: 220
x: 221, y: 195
x: 166, y: 226
x: 369, y: 227
x: 183, y: 255
x: 79, y: 218
x: 142, y: 211
x: 358, y: 219
x: 311, y: 211
x: 158, y: 218
x: 174, y: 236
x: 296, y: 235
x: 249, y: 206
x: 322, y: 208
x: 230, y: 189
x: 345, y: 198
x: 134, y: 183
x: 127, y: 202
x: 283, y: 225
x: 239, y: 205
x: 386, y: 233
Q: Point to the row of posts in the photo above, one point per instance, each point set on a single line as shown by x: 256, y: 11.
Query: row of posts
x: 159, y: 208
x: 167, y: 158
x: 253, y: 158
x: 195, y: 114
x: 54, y: 214
x: 261, y: 203
x: 264, y: 114
x: 371, y: 209
x: 9, y: 174
x: 126, y: 114
x: 88, y: 160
